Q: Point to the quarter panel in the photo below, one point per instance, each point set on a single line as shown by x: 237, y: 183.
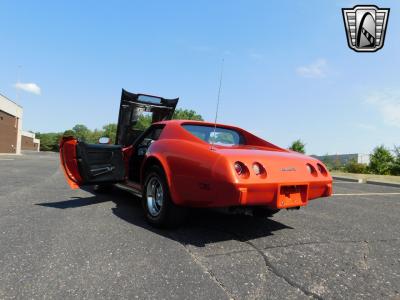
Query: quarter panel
x: 189, y: 170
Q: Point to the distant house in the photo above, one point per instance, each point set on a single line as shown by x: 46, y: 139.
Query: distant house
x: 342, y: 159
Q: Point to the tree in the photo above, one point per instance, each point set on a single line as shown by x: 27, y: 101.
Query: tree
x: 49, y: 141
x: 381, y: 161
x: 298, y: 146
x: 395, y: 170
x: 81, y: 132
x: 186, y: 114
x: 69, y: 132
x: 143, y: 122
x: 110, y: 131
x: 94, y: 136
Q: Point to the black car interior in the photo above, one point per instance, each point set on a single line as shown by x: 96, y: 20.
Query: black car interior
x: 102, y: 163
x: 140, y: 148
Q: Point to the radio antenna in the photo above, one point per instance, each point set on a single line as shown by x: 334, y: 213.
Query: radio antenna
x: 18, y: 81
x: 217, y: 108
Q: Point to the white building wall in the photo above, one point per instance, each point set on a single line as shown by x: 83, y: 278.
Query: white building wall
x: 28, y: 134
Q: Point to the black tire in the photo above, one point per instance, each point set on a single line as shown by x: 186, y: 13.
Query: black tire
x: 167, y: 214
x: 103, y: 188
x: 264, y: 212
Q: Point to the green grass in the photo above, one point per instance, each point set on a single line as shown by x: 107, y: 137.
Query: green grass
x: 382, y: 178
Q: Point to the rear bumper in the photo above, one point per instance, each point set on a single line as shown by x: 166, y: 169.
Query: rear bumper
x: 273, y: 195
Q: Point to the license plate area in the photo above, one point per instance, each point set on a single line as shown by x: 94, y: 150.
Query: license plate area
x: 292, y: 195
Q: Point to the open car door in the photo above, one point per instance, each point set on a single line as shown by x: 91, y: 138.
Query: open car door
x: 133, y: 106
x: 89, y: 164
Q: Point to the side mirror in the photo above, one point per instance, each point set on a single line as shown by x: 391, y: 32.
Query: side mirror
x: 104, y: 140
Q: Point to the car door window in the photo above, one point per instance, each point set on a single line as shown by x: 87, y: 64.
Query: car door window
x: 148, y: 139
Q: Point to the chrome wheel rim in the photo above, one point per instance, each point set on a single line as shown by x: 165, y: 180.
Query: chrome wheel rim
x: 154, y: 196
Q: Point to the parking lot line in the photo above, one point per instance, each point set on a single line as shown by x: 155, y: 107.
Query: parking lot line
x: 6, y: 158
x: 367, y: 194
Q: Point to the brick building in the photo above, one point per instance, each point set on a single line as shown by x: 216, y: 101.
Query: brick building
x: 29, y: 142
x: 10, y: 126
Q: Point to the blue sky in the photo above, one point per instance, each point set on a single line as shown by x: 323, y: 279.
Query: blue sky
x: 288, y: 70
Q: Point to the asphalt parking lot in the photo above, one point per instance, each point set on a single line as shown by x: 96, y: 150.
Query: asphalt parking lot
x: 61, y: 243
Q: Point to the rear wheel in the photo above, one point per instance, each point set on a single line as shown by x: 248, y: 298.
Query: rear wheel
x: 263, y: 212
x: 156, y: 200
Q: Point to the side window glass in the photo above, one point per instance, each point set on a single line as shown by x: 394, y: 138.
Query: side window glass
x: 150, y: 137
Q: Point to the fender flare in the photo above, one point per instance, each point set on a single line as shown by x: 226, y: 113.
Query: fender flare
x: 158, y: 159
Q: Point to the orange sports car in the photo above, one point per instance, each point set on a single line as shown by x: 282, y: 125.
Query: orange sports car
x: 176, y: 164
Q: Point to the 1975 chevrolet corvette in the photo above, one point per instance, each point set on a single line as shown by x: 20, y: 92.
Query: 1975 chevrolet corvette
x: 176, y: 164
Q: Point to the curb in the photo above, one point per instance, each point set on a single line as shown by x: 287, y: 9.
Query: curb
x: 392, y: 184
x: 348, y: 179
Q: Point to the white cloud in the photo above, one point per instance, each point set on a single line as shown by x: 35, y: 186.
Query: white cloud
x: 28, y: 87
x: 317, y: 69
x: 387, y: 102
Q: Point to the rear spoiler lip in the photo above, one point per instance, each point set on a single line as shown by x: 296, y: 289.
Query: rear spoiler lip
x: 133, y: 98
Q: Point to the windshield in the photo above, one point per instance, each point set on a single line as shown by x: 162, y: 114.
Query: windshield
x: 221, y: 136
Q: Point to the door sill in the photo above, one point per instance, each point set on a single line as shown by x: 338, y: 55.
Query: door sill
x: 131, y: 187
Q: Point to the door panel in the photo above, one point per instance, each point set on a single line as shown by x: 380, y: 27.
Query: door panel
x: 88, y: 164
x: 100, y: 163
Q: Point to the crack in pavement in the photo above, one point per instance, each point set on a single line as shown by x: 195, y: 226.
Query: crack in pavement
x: 229, y: 253
x: 203, y: 267
x: 365, y: 255
x: 305, y: 244
x: 278, y: 273
x: 269, y: 265
x: 332, y: 242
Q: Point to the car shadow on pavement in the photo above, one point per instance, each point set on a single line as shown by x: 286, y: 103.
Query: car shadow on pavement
x: 76, y: 202
x: 203, y: 226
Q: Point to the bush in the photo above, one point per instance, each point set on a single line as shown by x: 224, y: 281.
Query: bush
x: 354, y: 167
x: 395, y: 169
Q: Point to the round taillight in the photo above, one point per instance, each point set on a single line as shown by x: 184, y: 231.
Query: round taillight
x: 258, y: 168
x: 239, y: 168
x: 311, y: 170
x: 322, y: 170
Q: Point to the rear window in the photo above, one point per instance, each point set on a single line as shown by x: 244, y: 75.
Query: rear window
x: 217, y: 136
